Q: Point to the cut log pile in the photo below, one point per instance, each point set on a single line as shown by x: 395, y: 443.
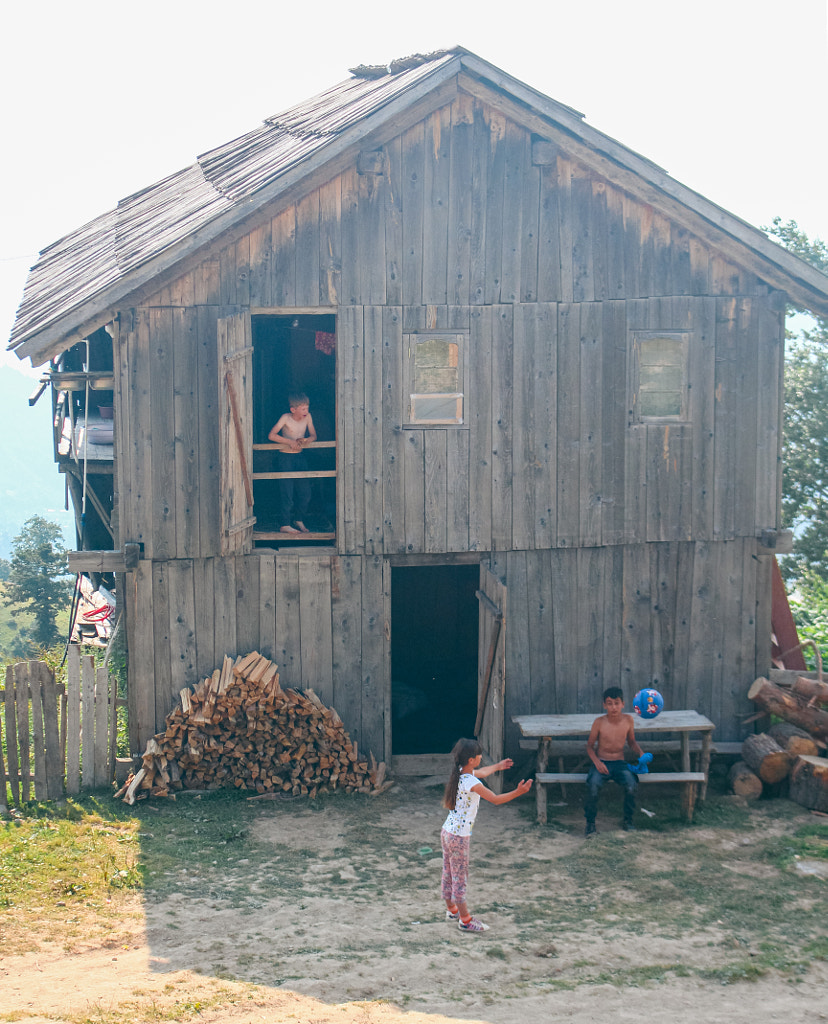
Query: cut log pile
x: 789, y: 749
x: 239, y: 728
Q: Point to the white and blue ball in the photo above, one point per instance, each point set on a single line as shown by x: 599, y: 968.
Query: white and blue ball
x: 648, y: 703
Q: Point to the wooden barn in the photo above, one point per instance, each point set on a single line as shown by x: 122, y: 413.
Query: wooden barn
x: 546, y: 380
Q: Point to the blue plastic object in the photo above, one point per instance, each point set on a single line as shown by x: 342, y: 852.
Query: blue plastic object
x: 641, y: 768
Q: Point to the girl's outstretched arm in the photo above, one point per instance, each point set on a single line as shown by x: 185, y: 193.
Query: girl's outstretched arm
x: 502, y: 798
x: 482, y: 773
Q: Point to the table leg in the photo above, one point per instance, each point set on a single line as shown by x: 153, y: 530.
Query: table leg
x: 540, y: 789
x: 707, y: 741
x: 685, y: 751
x: 688, y: 799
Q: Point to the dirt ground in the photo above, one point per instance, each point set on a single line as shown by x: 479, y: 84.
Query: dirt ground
x: 328, y: 916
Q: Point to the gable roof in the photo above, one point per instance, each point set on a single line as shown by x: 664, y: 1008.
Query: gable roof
x: 78, y: 280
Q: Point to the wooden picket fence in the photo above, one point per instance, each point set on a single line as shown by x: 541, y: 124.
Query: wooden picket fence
x: 58, y: 737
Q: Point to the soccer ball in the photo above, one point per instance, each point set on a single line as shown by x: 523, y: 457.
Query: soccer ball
x: 648, y: 703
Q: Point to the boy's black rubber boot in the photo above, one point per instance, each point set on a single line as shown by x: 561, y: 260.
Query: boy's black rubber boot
x: 590, y: 829
x: 628, y: 826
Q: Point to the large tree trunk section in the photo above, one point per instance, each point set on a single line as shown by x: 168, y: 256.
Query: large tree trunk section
x: 788, y: 706
x: 744, y: 782
x: 809, y: 783
x: 810, y: 690
x: 793, y: 739
x: 766, y: 758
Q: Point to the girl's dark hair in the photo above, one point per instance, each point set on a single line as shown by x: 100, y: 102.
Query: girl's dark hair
x: 464, y: 750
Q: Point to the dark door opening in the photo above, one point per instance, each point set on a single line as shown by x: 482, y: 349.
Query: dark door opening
x: 294, y: 354
x: 434, y: 616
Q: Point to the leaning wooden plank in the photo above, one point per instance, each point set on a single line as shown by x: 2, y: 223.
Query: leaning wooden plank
x: 21, y: 689
x: 73, y: 720
x: 101, y: 722
x: 88, y: 721
x: 36, y: 691
x: 54, y: 760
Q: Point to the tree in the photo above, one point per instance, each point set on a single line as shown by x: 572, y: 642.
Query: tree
x: 38, y: 580
x: 805, y: 431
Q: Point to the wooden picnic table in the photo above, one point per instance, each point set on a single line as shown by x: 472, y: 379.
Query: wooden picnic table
x: 547, y: 728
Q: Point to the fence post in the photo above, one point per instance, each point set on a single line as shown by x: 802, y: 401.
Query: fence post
x: 32, y: 670
x: 101, y: 722
x: 54, y: 754
x: 88, y: 721
x: 11, y: 737
x: 73, y: 725
x: 3, y: 802
x: 21, y: 692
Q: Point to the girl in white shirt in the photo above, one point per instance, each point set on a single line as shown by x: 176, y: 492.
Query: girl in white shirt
x: 462, y: 799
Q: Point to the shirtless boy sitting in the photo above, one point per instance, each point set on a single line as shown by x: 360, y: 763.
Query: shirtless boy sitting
x: 609, y: 734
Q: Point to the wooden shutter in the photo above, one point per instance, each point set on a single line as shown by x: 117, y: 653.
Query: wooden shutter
x: 235, y: 362
x: 491, y: 669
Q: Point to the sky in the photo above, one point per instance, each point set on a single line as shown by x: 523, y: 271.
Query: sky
x: 101, y: 99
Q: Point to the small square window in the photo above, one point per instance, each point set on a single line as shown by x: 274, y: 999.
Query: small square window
x: 435, y: 384
x: 659, y: 376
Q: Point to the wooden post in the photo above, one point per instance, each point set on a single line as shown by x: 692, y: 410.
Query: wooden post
x: 21, y: 693
x: 540, y: 791
x: 88, y: 721
x: 11, y: 737
x: 704, y: 766
x: 3, y: 803
x: 54, y: 753
x: 101, y: 722
x: 73, y: 721
x: 35, y: 689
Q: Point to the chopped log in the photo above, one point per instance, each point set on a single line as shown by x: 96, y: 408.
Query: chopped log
x: 809, y: 783
x: 744, y: 782
x: 793, y: 739
x: 786, y: 705
x: 812, y: 691
x: 766, y: 758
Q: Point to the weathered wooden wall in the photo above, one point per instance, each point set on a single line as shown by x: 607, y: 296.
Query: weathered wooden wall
x: 687, y: 617
x: 319, y: 617
x: 628, y: 548
x: 550, y: 270
x: 548, y: 458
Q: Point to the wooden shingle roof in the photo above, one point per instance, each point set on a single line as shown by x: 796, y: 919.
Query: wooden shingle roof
x: 78, y: 280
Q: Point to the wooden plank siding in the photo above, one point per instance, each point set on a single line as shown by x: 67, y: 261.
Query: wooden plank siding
x: 627, y: 545
x: 680, y: 616
x: 547, y: 455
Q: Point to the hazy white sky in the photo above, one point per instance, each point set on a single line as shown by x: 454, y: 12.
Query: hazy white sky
x: 100, y: 99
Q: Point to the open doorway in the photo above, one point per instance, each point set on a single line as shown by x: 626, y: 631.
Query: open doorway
x: 295, y: 354
x: 434, y: 615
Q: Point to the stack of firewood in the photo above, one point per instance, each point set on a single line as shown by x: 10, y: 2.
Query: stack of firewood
x: 239, y: 728
x: 790, y: 749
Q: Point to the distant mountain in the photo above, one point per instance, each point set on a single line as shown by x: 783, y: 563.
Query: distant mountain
x: 29, y: 480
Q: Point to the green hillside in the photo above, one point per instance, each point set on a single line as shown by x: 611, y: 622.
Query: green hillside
x: 29, y: 480
x: 14, y: 630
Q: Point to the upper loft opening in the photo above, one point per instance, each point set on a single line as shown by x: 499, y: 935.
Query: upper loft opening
x: 294, y: 493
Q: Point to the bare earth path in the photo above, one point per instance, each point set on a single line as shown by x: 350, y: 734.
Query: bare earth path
x: 324, y: 916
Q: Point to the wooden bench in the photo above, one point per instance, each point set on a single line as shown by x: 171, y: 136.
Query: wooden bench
x: 690, y: 781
